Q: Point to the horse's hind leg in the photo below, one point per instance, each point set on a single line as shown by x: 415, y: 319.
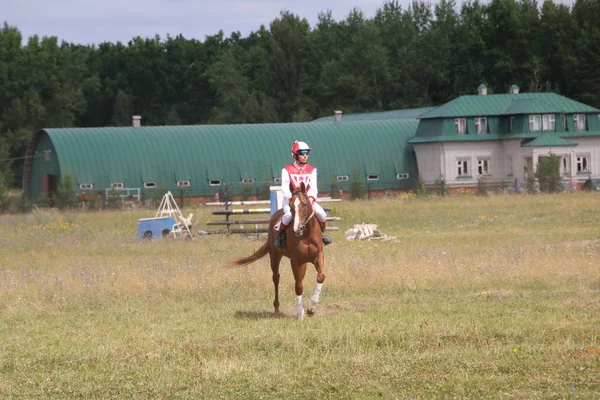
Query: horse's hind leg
x: 275, y: 260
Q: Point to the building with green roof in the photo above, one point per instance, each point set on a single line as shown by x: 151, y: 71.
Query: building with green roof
x: 204, y: 159
x: 495, y: 137
x: 409, y: 113
x: 500, y: 138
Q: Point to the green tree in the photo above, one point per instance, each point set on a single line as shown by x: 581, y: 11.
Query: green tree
x: 357, y: 190
x: 66, y: 197
x: 548, y: 173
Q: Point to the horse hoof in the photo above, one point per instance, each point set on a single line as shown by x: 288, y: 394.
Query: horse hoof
x: 310, y: 312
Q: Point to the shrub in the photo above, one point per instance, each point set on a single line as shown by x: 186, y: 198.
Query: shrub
x: 482, y: 187
x: 245, y: 191
x: 441, y: 185
x: 548, y: 173
x: 420, y: 188
x: 335, y: 188
x: 65, y: 197
x: 356, y: 189
x: 264, y: 192
x: 43, y: 201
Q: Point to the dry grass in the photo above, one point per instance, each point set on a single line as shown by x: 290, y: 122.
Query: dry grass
x: 494, y: 297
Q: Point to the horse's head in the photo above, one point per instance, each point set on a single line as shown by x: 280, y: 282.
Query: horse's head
x: 301, y: 208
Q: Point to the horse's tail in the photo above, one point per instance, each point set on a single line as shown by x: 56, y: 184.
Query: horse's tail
x: 260, y: 253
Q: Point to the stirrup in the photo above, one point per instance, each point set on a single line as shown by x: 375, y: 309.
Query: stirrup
x: 327, y: 240
x: 280, y: 241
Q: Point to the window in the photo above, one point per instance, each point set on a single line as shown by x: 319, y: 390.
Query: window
x: 248, y: 180
x: 483, y: 166
x: 403, y: 175
x: 535, y: 123
x: 150, y: 185
x: 183, y: 183
x: 565, y: 165
x: 86, y: 186
x: 583, y: 163
x: 512, y: 124
x: 579, y: 122
x: 214, y: 182
x: 548, y: 123
x: 463, y: 167
x: 117, y: 185
x: 277, y: 180
x: 481, y: 125
x: 340, y: 178
x: 563, y: 121
x: 373, y: 177
x: 461, y: 126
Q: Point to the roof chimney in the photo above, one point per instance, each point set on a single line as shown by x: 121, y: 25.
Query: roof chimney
x: 338, y: 116
x: 482, y: 90
x: 514, y: 89
x: 136, y: 121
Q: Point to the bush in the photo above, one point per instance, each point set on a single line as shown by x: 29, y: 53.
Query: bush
x: 114, y: 201
x: 43, y: 201
x: 3, y: 194
x: 548, y: 173
x: 246, y: 191
x: 420, y: 188
x: 441, y: 185
x: 65, y: 197
x: 356, y: 189
x: 482, y: 187
x: 264, y: 192
x: 95, y: 202
x: 335, y: 188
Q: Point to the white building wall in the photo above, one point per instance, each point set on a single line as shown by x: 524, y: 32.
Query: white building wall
x: 429, y: 157
x: 508, y: 161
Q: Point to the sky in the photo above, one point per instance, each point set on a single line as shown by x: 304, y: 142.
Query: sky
x: 96, y: 21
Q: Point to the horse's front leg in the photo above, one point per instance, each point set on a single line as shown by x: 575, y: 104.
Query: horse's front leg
x: 275, y: 260
x: 299, y: 272
x: 320, y: 279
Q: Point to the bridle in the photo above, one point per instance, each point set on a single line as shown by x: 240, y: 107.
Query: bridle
x: 307, y: 220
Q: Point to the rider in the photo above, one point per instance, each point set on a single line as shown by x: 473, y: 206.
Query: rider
x: 297, y: 172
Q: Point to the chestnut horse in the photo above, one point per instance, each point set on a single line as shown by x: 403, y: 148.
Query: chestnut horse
x: 303, y: 244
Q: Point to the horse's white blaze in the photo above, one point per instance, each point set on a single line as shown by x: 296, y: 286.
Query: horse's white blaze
x: 317, y: 293
x: 296, y: 217
x: 299, y: 307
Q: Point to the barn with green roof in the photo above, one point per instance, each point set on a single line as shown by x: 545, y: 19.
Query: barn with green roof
x: 497, y: 138
x: 202, y: 159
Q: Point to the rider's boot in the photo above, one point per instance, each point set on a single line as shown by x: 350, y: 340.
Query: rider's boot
x: 326, y: 239
x: 280, y: 240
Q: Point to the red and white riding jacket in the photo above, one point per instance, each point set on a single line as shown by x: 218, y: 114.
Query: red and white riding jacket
x: 295, y: 175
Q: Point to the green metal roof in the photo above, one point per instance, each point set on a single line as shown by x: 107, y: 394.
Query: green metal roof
x: 409, y: 113
x: 199, y: 153
x: 488, y: 137
x: 508, y: 104
x: 548, y: 140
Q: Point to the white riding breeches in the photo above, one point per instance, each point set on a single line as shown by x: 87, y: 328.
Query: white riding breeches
x: 287, y: 214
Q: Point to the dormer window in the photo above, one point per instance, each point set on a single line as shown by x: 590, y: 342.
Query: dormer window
x: 579, y: 122
x: 481, y: 125
x: 563, y: 121
x: 545, y: 122
x: 461, y: 126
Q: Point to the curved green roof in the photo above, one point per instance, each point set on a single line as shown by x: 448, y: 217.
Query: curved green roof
x: 230, y: 153
x: 408, y: 113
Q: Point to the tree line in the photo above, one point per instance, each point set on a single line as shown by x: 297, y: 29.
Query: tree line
x: 420, y: 55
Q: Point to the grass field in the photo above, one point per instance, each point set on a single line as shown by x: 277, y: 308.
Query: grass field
x: 495, y: 298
